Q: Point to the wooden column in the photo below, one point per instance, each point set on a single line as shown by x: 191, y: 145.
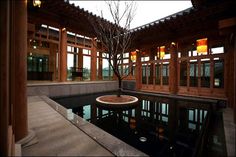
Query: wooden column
x: 63, y: 55
x: 138, y: 71
x: 152, y: 72
x: 188, y: 74
x: 130, y: 67
x: 230, y: 80
x: 52, y: 60
x: 100, y: 66
x: 161, y: 78
x: 19, y: 67
x: 173, y: 75
x: 230, y: 74
x: 199, y: 76
x: 212, y: 74
x: 4, y: 76
x: 93, y: 74
x: 75, y: 64
x: 234, y: 76
x: 80, y: 62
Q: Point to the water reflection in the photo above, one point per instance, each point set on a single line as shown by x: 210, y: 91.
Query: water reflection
x: 157, y: 126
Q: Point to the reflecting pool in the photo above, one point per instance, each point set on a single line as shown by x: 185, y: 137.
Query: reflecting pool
x: 158, y: 126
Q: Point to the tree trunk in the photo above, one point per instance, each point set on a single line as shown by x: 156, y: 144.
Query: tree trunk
x: 119, y: 90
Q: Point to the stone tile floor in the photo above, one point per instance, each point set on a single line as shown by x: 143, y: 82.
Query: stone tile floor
x: 57, y: 136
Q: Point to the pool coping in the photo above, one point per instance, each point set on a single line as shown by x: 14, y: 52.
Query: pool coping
x: 64, y: 83
x: 106, y: 140
x: 201, y: 99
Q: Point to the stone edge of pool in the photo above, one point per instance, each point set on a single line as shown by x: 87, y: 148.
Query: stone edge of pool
x: 109, y: 142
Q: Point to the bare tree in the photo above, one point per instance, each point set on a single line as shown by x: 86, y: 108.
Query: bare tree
x: 115, y: 37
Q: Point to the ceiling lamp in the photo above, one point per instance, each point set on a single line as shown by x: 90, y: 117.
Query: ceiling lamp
x: 162, y: 52
x: 173, y: 43
x: 202, y: 46
x: 37, y: 3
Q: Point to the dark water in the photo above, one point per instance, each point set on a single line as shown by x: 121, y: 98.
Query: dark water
x: 157, y: 126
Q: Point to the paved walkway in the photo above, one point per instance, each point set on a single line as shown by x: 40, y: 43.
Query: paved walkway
x: 57, y: 136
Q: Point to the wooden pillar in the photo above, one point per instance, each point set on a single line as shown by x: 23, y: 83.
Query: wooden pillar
x: 19, y: 67
x: 230, y: 66
x: 130, y: 66
x: 161, y: 80
x: 63, y: 55
x: 100, y: 66
x: 138, y: 71
x: 52, y: 60
x: 173, y: 75
x: 80, y: 62
x: 4, y: 76
x: 234, y: 98
x: 75, y: 64
x: 232, y: 75
x: 93, y: 61
x: 152, y: 57
x: 199, y: 76
x: 188, y: 74
x: 212, y: 74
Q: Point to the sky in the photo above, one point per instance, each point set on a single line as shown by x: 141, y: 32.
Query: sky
x: 147, y: 11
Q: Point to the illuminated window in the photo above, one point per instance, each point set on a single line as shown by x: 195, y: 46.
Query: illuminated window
x: 217, y: 50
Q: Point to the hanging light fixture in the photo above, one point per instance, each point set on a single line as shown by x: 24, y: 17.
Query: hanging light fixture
x: 202, y: 46
x: 37, y: 3
x: 162, y: 52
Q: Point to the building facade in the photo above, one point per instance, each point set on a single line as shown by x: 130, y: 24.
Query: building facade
x: 56, y: 42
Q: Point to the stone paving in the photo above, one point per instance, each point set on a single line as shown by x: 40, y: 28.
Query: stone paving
x: 57, y: 136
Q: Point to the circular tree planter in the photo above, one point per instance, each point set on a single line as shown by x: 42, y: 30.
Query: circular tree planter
x: 113, y: 102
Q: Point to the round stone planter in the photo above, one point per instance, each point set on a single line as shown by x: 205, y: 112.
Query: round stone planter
x: 112, y: 102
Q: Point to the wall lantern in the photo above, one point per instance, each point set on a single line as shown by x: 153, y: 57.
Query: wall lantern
x: 37, y: 3
x: 134, y: 55
x: 162, y: 52
x: 202, y: 46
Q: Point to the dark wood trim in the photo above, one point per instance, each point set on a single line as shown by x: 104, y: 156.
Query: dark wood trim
x: 4, y: 76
